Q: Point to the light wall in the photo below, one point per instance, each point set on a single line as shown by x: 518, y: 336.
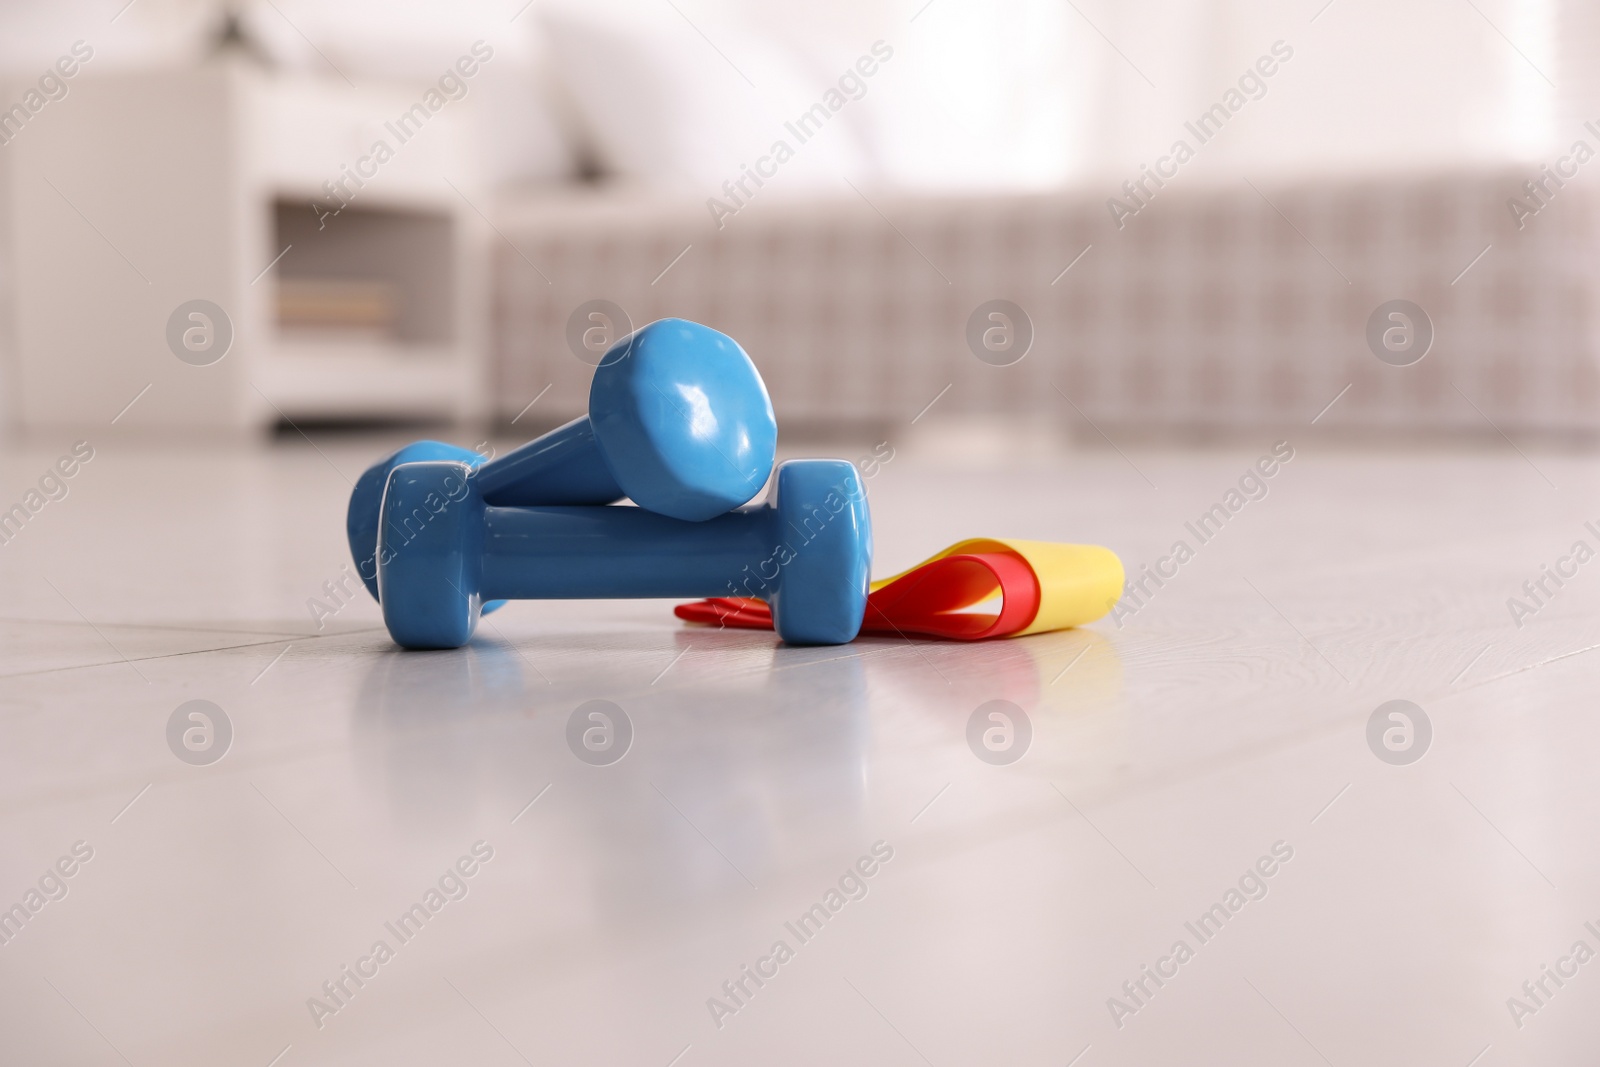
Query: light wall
x: 990, y: 93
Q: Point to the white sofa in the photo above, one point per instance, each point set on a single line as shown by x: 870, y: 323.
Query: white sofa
x: 1214, y: 308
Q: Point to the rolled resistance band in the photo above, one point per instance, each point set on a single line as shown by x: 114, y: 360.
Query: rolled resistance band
x: 975, y: 589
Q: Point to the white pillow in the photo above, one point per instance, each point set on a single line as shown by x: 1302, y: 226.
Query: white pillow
x: 992, y: 96
x: 517, y: 134
x: 689, y: 106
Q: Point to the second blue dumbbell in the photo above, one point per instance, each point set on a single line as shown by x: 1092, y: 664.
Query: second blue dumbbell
x: 679, y: 422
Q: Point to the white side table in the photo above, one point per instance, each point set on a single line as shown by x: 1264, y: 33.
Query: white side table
x: 140, y: 192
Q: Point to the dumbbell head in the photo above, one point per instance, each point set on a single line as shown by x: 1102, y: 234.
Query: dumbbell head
x: 430, y: 554
x: 822, y: 530
x: 683, y: 420
x: 366, y: 499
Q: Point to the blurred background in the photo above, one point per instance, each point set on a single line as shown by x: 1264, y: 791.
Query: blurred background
x: 441, y: 213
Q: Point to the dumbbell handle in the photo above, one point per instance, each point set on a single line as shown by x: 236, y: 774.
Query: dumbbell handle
x: 577, y: 553
x: 563, y: 465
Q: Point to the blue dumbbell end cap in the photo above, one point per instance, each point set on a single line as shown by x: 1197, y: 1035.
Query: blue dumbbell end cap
x: 366, y: 499
x: 826, y: 560
x: 432, y: 546
x: 683, y: 420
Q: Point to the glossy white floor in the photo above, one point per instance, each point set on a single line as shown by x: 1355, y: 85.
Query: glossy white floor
x: 1225, y: 722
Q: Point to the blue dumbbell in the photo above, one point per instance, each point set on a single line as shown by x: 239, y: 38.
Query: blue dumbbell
x: 679, y: 421
x: 443, y: 552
